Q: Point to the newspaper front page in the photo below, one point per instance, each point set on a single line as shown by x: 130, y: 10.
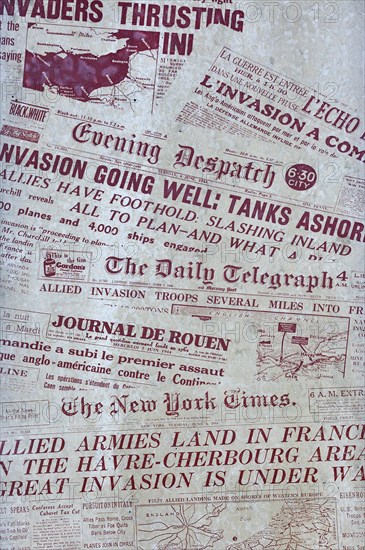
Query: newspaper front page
x: 182, y: 272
